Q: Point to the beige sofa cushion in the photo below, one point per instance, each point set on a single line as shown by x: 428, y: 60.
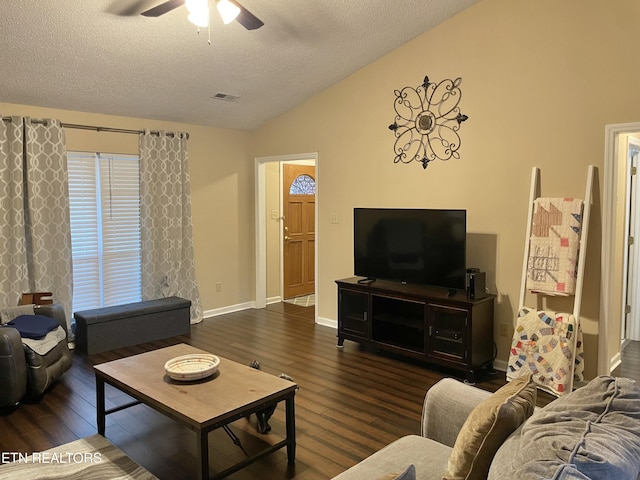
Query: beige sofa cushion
x: 486, y: 428
x: 428, y: 457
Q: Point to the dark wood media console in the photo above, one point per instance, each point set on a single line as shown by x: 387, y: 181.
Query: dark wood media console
x: 423, y: 322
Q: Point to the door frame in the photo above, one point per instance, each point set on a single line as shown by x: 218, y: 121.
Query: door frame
x: 261, y: 224
x: 609, y: 230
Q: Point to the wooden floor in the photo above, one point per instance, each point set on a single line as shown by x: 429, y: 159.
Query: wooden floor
x: 351, y: 402
x: 630, y: 366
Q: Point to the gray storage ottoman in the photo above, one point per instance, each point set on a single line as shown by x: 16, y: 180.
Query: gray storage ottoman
x: 108, y: 328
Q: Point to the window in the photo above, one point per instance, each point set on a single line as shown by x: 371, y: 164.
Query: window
x: 104, y: 208
x: 303, y: 185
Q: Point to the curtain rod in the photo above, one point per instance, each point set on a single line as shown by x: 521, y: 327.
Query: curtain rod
x: 101, y: 129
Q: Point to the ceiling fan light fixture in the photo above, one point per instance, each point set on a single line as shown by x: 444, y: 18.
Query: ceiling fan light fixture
x: 227, y: 10
x: 200, y: 19
x: 194, y: 6
x: 198, y: 12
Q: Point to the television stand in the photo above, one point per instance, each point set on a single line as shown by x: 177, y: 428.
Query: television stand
x: 428, y: 323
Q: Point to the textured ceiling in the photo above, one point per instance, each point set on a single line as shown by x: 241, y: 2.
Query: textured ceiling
x: 102, y: 56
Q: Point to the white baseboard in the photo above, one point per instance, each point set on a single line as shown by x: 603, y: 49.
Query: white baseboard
x: 327, y: 322
x: 500, y: 365
x: 271, y: 300
x: 229, y: 309
x: 616, y: 360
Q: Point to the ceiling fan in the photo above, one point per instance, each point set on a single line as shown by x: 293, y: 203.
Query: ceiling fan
x: 199, y: 12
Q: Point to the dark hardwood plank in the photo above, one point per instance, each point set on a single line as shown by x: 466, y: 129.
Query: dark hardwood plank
x: 351, y: 401
x: 630, y: 366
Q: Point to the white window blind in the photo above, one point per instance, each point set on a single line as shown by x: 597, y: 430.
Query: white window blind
x: 104, y: 205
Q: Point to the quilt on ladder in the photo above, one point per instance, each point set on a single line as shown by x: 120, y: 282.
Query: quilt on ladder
x: 549, y: 346
x: 554, y: 245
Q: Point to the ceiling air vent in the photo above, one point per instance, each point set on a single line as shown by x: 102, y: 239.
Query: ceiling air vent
x: 226, y: 97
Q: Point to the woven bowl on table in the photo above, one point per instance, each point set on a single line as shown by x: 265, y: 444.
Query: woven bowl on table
x: 192, y: 367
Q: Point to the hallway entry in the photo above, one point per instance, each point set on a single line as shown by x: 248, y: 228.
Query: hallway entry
x: 630, y: 330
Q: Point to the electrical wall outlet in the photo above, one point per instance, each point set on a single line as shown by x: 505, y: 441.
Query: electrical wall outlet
x: 504, y: 330
x: 218, y: 286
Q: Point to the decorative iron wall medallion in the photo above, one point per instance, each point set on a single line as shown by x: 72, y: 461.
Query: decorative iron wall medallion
x: 427, y: 121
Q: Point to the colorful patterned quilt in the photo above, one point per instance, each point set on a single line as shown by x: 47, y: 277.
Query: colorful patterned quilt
x: 554, y: 245
x: 549, y: 346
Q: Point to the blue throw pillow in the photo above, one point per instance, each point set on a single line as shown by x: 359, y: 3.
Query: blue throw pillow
x: 33, y: 326
x: 408, y: 474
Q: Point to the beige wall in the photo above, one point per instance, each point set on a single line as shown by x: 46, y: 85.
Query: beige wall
x: 540, y: 82
x: 222, y: 197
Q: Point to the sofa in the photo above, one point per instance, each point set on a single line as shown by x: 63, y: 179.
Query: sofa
x: 467, y: 433
x: 29, y: 366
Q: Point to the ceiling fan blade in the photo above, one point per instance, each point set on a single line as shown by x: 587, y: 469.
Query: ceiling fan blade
x: 247, y: 19
x: 163, y: 8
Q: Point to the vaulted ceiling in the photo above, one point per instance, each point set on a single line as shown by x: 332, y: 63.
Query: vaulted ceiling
x: 103, y: 56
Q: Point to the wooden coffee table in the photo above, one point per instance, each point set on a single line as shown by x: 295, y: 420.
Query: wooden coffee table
x: 234, y: 392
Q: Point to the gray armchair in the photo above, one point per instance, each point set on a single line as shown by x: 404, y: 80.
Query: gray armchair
x: 30, y: 370
x: 13, y: 367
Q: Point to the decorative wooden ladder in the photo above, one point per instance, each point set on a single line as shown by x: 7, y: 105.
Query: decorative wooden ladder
x: 533, y: 195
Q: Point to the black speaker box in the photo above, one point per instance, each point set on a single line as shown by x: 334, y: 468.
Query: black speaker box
x: 476, y: 284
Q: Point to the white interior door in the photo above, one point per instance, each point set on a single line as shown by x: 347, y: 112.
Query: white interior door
x: 631, y: 329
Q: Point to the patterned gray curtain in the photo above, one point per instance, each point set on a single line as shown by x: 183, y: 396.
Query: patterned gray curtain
x: 35, y: 229
x: 168, y: 266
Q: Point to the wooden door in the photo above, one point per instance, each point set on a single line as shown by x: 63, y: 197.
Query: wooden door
x: 299, y: 200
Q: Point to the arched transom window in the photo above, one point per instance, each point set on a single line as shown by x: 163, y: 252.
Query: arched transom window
x: 303, y: 185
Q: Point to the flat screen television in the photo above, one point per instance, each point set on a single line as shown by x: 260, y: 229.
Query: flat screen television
x: 420, y: 246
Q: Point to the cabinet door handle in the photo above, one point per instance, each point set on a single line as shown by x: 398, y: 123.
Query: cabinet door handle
x: 364, y: 316
x: 430, y: 330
